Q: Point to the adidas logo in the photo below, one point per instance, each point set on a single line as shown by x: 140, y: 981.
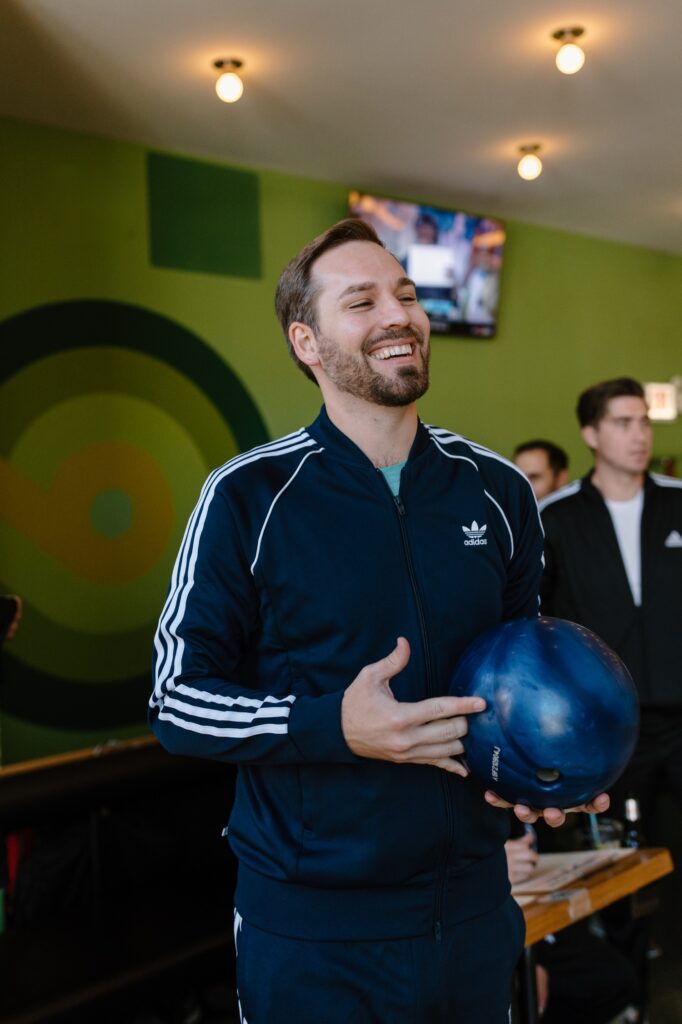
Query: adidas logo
x: 474, y: 535
x: 674, y: 539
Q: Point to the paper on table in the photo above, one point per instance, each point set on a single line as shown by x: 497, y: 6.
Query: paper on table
x: 555, y: 870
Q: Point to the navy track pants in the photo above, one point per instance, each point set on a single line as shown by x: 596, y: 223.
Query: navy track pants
x: 463, y: 978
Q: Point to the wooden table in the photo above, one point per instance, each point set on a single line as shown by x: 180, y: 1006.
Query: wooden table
x: 550, y: 914
x: 563, y: 907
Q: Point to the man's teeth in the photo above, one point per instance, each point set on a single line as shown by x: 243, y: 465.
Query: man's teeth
x: 393, y: 350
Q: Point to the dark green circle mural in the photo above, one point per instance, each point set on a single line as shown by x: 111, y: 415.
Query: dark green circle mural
x: 112, y: 416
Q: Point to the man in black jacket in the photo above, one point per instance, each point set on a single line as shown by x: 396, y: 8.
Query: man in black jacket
x: 613, y: 551
x: 613, y: 562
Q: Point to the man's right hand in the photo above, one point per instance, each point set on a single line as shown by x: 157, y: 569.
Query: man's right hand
x: 377, y: 725
x: 522, y: 859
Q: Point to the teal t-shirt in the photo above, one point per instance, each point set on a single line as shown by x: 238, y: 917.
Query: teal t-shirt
x: 392, y: 476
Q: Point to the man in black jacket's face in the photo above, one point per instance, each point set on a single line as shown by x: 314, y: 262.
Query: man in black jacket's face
x: 621, y: 440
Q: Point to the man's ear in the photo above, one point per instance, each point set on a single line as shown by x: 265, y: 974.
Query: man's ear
x: 589, y: 436
x: 304, y: 343
x: 562, y: 478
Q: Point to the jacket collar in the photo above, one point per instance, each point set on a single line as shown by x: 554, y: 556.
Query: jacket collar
x: 594, y: 492
x: 335, y: 441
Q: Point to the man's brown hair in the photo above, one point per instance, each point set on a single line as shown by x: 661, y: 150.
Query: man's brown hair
x: 296, y: 293
x: 593, y: 403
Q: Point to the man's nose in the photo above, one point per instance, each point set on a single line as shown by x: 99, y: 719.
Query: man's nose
x: 394, y: 313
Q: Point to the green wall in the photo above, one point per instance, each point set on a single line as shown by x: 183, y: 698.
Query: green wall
x: 574, y: 309
x: 73, y: 210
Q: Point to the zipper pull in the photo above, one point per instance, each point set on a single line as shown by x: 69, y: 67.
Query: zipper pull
x: 399, y: 505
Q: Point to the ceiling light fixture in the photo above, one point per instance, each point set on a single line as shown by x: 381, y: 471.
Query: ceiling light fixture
x: 530, y: 164
x: 570, y: 57
x: 229, y: 85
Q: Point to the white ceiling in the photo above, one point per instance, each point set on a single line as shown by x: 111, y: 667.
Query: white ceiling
x: 427, y: 99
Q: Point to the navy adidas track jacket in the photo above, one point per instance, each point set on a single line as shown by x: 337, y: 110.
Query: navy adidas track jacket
x: 298, y: 567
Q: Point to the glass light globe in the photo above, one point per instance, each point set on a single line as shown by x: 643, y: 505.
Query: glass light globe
x: 570, y: 58
x: 229, y: 87
x: 529, y: 167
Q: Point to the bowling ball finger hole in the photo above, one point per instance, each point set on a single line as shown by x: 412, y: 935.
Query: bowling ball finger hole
x: 548, y: 775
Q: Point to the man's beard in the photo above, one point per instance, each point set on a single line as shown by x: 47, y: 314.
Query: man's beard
x: 355, y: 375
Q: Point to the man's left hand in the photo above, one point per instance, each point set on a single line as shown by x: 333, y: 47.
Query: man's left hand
x: 554, y: 816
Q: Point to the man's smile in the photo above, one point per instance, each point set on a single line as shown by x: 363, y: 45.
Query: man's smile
x: 391, y: 351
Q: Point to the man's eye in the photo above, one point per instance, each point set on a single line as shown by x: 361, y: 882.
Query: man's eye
x: 408, y: 298
x: 363, y: 304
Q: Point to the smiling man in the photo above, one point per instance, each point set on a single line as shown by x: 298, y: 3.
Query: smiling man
x: 324, y: 592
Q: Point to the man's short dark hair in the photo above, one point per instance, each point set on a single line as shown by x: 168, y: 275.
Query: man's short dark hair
x: 592, y: 404
x: 556, y: 456
x: 296, y: 294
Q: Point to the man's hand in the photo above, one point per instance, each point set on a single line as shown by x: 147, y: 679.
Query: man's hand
x: 554, y: 816
x: 376, y: 725
x: 522, y: 859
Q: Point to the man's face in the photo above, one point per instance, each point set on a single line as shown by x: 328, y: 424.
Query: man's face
x: 622, y: 438
x: 534, y: 462
x: 372, y: 337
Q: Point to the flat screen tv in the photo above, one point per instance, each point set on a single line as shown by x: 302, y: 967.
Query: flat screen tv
x: 454, y: 259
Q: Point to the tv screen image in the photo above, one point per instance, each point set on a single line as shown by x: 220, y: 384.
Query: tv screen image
x: 454, y: 259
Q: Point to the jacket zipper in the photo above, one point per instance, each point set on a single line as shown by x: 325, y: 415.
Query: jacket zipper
x: 438, y: 908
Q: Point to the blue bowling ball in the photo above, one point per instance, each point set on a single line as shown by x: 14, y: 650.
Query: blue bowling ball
x: 562, y: 713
